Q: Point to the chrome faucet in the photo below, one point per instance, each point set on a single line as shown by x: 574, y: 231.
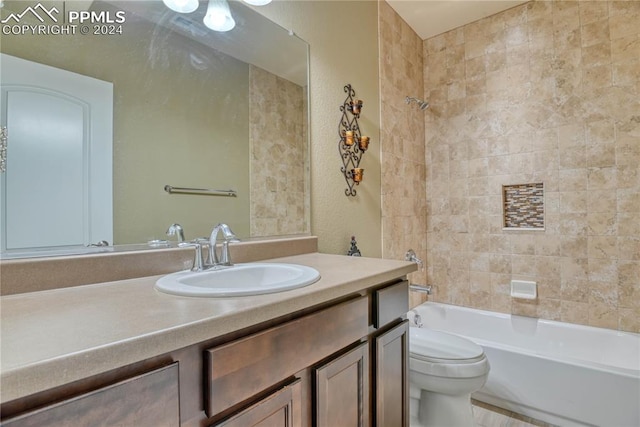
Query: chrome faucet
x: 176, y: 229
x: 225, y: 258
x: 411, y: 256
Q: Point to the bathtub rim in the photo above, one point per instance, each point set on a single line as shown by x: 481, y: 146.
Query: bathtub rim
x: 630, y: 373
x: 619, y: 370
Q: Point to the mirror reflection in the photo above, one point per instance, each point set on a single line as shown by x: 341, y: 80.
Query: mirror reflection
x: 189, y: 107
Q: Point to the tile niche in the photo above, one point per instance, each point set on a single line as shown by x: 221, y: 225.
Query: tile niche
x: 523, y: 206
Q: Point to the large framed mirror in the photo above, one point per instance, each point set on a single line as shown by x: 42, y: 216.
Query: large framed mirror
x: 192, y: 108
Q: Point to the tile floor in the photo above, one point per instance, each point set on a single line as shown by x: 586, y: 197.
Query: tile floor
x: 491, y: 416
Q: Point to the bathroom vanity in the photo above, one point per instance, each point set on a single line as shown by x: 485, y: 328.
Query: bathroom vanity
x: 120, y: 353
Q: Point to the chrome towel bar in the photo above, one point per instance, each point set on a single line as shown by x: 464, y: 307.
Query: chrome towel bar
x: 204, y: 191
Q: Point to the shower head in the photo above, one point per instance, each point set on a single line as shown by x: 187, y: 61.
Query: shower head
x: 421, y: 104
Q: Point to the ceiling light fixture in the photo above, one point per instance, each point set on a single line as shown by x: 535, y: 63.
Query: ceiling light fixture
x: 218, y: 16
x: 257, y: 2
x: 181, y: 6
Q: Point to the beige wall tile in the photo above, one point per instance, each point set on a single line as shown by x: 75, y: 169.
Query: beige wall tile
x: 628, y: 224
x: 549, y: 308
x: 603, y: 315
x: 575, y: 290
x: 593, y: 32
x: 629, y: 319
x: 593, y: 11
x: 629, y: 247
x: 574, y: 312
x: 596, y: 54
x: 623, y: 22
x: 602, y: 223
x: 625, y: 49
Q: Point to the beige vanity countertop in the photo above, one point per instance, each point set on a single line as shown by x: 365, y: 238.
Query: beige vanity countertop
x: 54, y: 337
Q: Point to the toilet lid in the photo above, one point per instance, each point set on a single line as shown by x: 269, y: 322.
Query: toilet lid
x: 430, y: 344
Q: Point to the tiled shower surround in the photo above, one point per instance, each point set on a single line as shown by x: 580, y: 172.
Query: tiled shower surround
x: 545, y: 92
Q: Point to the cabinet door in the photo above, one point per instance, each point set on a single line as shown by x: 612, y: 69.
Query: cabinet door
x: 280, y: 409
x: 391, y: 377
x: 342, y: 390
x: 150, y: 399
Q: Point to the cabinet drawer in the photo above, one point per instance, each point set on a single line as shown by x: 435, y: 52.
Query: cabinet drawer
x: 149, y: 399
x: 238, y: 370
x: 390, y: 303
x: 282, y: 408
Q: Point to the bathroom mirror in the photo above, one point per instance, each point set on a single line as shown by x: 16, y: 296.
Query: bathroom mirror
x: 192, y: 108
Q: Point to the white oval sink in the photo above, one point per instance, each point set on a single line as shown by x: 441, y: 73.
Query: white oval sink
x: 238, y: 280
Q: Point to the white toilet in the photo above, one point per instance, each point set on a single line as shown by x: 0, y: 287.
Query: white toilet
x: 444, y: 369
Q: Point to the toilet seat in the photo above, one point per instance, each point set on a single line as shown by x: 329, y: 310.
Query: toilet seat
x: 442, y: 354
x: 448, y: 361
x: 434, y: 346
x: 472, y: 369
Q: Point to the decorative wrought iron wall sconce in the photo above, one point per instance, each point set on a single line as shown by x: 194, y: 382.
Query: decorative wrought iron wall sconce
x: 352, y: 144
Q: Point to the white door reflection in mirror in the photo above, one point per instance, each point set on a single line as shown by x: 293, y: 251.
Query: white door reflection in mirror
x: 56, y: 191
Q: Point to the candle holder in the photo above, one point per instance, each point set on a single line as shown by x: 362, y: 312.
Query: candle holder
x: 363, y: 144
x: 356, y: 175
x: 352, y: 144
x: 355, y: 107
x: 348, y: 137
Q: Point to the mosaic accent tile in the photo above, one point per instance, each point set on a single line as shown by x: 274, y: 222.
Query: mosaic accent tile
x: 523, y: 206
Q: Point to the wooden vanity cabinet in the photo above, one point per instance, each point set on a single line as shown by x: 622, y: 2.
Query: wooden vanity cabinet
x: 150, y: 399
x: 355, y: 355
x: 341, y: 364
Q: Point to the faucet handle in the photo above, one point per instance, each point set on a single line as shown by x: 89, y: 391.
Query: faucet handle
x: 206, y: 242
x: 411, y: 256
x: 229, y: 236
x: 225, y: 256
x: 198, y: 261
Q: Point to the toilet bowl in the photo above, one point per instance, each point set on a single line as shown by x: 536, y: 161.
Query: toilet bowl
x: 444, y: 369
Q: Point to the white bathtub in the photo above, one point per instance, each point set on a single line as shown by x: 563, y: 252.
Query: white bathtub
x: 560, y: 373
